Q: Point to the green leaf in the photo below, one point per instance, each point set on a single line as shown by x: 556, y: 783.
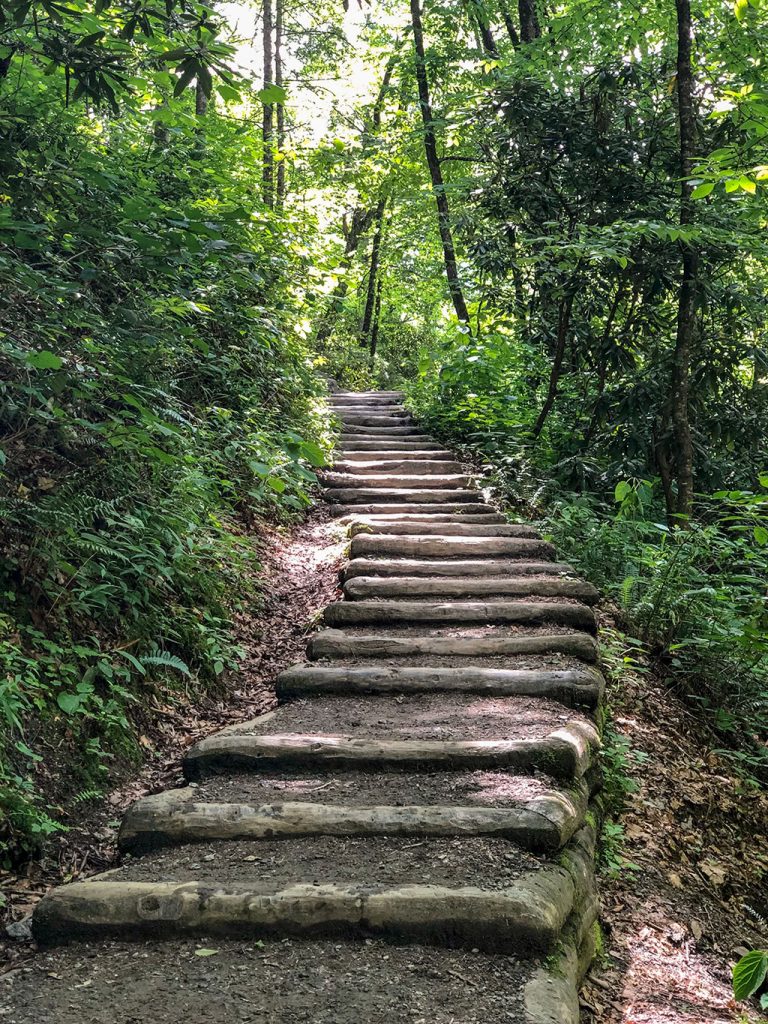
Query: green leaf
x: 749, y: 973
x: 206, y: 952
x: 68, y: 702
x: 761, y: 536
x: 45, y: 360
x: 702, y: 190
x: 313, y: 453
x: 272, y: 94
x: 276, y: 484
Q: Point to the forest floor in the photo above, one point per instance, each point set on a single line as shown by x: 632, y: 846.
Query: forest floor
x: 691, y: 895
x: 679, y: 897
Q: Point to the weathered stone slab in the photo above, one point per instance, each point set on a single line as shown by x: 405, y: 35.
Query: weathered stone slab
x: 580, y: 687
x: 564, y: 753
x: 544, y: 823
x: 448, y: 547
x: 402, y: 495
x: 395, y: 463
x: 528, y: 613
x: 388, y: 506
x: 396, y: 481
x: 335, y: 643
x: 527, y: 917
x: 443, y: 526
x: 488, y: 567
x: 379, y: 432
x: 361, y: 588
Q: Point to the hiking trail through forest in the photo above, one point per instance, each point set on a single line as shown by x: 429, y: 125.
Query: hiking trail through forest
x: 410, y: 835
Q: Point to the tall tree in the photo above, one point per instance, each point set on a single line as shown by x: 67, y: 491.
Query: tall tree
x: 268, y: 159
x: 373, y: 273
x: 280, y: 184
x: 435, y: 170
x: 686, y: 310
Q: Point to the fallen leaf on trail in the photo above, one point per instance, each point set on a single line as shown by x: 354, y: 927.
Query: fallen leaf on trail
x: 206, y: 952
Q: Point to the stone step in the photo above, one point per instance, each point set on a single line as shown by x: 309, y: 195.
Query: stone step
x: 421, y: 732
x: 395, y: 445
x: 395, y: 481
x: 517, y: 808
x: 379, y: 433
x: 371, y: 467
x: 336, y: 643
x: 402, y: 495
x: 574, y: 687
x: 389, y: 507
x: 375, y: 419
x: 376, y: 408
x: 374, y: 397
x: 444, y: 527
x: 428, y: 456
x: 495, y: 900
x: 485, y: 567
x: 520, y: 613
x: 449, y: 547
x: 413, y: 519
x: 361, y: 588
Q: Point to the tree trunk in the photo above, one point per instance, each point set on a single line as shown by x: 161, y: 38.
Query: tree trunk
x: 435, y: 171
x: 486, y: 35
x: 686, y: 313
x: 373, y: 274
x: 509, y: 25
x: 376, y: 320
x: 361, y: 220
x: 280, y: 189
x: 563, y: 323
x: 268, y: 162
x: 602, y: 356
x: 530, y: 28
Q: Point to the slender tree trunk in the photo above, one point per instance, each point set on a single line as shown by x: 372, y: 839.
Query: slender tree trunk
x: 602, y: 373
x: 686, y: 313
x: 435, y: 171
x: 201, y: 108
x: 486, y: 35
x: 373, y: 273
x: 361, y: 220
x: 376, y: 320
x: 530, y: 28
x: 280, y: 189
x: 268, y: 161
x: 563, y: 324
x: 509, y: 25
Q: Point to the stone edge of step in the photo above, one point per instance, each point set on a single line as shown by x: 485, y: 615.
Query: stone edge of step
x: 526, y: 918
x: 565, y: 752
x: 330, y: 643
x: 543, y: 823
x: 585, y: 686
x: 383, y: 611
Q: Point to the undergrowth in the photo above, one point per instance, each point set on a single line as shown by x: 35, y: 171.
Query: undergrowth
x: 155, y: 399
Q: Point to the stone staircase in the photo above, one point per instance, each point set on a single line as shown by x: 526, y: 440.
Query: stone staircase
x: 426, y: 778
